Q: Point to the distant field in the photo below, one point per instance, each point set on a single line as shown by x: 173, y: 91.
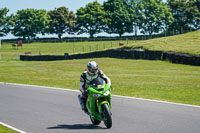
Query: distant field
x: 61, y: 48
x: 184, y: 43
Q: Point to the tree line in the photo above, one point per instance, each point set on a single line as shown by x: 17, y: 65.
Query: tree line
x: 113, y: 16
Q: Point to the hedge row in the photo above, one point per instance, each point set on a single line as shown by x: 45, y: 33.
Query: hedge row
x: 178, y: 58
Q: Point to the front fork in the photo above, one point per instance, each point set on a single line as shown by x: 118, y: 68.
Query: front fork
x: 100, y: 103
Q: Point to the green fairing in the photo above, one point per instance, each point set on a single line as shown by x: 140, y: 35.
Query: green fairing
x: 94, y: 105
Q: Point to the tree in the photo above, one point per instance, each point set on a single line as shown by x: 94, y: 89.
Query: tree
x: 61, y: 21
x: 134, y: 5
x: 154, y: 16
x: 30, y: 22
x: 198, y: 4
x: 186, y: 14
x: 120, y: 17
x: 4, y: 22
x: 91, y: 19
x: 193, y: 13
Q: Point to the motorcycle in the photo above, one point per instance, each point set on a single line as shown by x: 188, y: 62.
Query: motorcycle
x: 99, y: 102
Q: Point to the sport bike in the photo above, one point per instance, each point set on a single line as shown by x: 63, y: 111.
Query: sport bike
x: 98, y: 102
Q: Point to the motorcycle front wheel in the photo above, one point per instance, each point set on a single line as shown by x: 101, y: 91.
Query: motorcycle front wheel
x: 107, y: 116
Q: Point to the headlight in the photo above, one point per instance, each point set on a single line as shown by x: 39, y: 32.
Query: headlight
x: 96, y: 95
x: 107, y: 93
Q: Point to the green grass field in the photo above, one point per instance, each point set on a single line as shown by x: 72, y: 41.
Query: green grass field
x: 184, y: 43
x: 6, y: 130
x: 139, y: 78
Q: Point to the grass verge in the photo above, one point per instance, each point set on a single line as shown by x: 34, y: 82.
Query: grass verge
x: 4, y: 129
x: 138, y: 78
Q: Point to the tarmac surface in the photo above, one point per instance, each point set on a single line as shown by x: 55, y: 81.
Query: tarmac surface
x: 36, y: 109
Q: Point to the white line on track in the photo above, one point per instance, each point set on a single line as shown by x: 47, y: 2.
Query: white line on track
x: 135, y: 98
x: 13, y: 128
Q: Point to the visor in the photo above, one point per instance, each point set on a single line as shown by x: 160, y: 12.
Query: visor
x: 93, y: 71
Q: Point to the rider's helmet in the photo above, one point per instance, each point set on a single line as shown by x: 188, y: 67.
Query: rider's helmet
x: 92, y: 68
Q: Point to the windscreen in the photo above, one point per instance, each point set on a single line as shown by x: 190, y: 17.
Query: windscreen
x: 98, y: 82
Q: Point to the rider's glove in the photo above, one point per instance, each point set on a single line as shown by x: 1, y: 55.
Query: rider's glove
x: 85, y: 92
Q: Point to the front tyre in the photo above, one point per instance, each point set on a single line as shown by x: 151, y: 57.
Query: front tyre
x: 94, y: 121
x: 107, y: 116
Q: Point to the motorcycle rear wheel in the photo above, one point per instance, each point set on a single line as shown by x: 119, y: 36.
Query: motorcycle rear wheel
x: 94, y: 121
x: 107, y: 116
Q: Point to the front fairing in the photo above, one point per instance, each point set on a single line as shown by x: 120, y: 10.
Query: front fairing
x: 94, y: 90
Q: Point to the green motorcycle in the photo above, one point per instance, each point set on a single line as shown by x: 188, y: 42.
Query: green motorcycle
x: 99, y: 102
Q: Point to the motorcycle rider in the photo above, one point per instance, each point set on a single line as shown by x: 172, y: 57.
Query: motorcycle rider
x: 88, y: 75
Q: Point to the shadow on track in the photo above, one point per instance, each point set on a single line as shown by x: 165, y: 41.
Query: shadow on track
x: 76, y: 127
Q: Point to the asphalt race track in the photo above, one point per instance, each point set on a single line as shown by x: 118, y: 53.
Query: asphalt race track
x: 44, y: 110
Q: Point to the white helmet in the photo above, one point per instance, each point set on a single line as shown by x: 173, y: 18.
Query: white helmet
x: 92, y: 68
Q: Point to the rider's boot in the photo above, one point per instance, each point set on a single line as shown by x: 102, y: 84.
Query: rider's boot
x: 82, y: 101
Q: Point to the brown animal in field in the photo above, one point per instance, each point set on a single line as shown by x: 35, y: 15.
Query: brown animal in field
x: 26, y: 53
x: 14, y: 45
x: 121, y: 43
